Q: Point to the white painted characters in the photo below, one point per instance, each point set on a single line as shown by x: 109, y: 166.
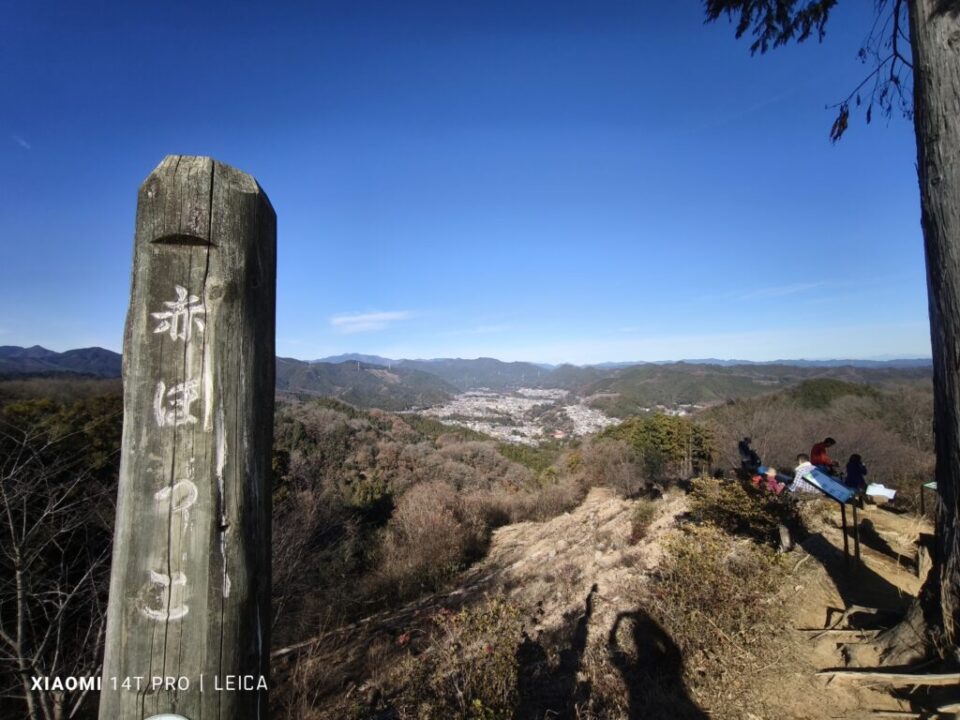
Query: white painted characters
x: 162, y: 597
x: 181, y: 496
x: 171, y: 406
x: 182, y: 316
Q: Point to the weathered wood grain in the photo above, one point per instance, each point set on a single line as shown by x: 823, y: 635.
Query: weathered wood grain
x: 190, y: 583
x: 935, y: 47
x: 895, y: 679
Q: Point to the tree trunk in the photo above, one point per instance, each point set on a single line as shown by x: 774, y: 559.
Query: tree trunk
x: 935, y: 40
x: 23, y: 664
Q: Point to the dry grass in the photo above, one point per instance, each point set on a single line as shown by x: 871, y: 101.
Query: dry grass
x: 643, y: 514
x: 717, y: 598
x: 469, y: 668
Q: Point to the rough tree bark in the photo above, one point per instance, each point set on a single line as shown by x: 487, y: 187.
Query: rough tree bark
x: 935, y: 40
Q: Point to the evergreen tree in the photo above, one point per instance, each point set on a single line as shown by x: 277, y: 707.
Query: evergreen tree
x: 924, y: 84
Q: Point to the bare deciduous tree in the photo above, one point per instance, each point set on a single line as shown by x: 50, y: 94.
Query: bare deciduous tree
x: 54, y: 560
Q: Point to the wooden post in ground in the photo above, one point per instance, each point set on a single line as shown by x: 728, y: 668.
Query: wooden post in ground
x: 846, y: 538
x: 189, y: 611
x: 856, y: 535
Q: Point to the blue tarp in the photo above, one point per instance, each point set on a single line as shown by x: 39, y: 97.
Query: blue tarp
x: 830, y: 486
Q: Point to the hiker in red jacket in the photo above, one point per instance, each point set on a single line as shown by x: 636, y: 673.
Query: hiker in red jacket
x: 768, y: 481
x: 820, y: 458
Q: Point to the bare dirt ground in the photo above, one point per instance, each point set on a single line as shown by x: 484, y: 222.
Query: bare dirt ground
x: 580, y: 578
x: 821, y: 587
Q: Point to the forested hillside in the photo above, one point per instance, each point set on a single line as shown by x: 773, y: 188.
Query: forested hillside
x: 641, y: 387
x: 363, y: 385
x: 890, y: 426
x: 483, y: 372
x: 372, y: 509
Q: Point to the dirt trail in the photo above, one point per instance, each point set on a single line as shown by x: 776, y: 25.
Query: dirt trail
x: 821, y: 587
x: 580, y: 575
x: 573, y: 573
x: 555, y: 564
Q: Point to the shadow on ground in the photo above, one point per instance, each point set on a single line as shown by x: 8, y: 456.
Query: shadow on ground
x: 545, y: 689
x: 649, y: 662
x: 652, y: 669
x: 873, y: 540
x: 856, y: 583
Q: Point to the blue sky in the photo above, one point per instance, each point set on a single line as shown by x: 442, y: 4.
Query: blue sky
x: 548, y: 181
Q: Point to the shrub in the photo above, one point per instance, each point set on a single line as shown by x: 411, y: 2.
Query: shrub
x: 737, y: 509
x: 557, y: 498
x: 572, y: 460
x: 716, y: 597
x: 612, y: 463
x: 640, y: 519
x: 489, y: 509
x: 470, y: 668
x: 425, y: 541
x: 708, y: 571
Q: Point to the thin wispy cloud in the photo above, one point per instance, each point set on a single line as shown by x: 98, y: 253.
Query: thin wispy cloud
x: 779, y: 291
x: 350, y: 324
x: 753, y: 294
x: 21, y: 142
x: 749, y: 111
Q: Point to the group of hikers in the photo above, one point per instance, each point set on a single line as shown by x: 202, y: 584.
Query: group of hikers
x: 818, y: 459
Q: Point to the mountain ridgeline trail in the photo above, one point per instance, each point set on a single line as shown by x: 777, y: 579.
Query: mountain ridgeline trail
x: 566, y: 618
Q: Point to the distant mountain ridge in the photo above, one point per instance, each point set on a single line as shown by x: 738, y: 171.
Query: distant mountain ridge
x: 482, y: 372
x: 357, y: 357
x: 37, y: 360
x: 616, y: 388
x: 631, y: 390
x: 618, y: 365
x: 892, y: 363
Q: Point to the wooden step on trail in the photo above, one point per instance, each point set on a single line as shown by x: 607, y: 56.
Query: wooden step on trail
x: 898, y: 679
x: 840, y: 632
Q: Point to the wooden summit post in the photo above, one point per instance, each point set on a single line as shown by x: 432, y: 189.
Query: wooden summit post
x: 189, y: 613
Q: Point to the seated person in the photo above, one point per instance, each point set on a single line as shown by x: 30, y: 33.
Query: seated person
x: 799, y: 484
x: 749, y: 460
x: 856, y: 474
x: 768, y: 481
x: 820, y: 458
